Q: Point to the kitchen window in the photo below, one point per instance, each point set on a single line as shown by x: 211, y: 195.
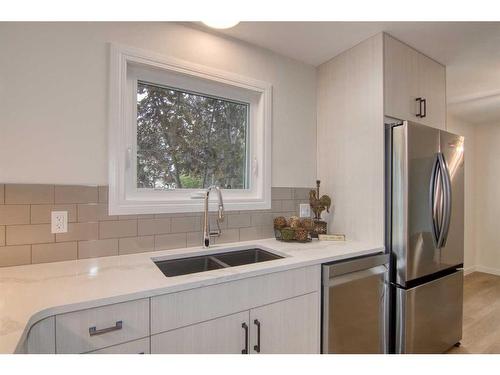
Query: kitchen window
x: 177, y: 128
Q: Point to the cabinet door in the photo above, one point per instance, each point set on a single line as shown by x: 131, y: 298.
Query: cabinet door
x: 401, y: 82
x: 224, y: 335
x: 289, y: 326
x: 432, y: 80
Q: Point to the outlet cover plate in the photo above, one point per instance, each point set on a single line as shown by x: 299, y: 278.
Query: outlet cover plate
x: 59, y: 221
x: 305, y: 210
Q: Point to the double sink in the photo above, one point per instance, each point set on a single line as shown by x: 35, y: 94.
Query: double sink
x: 184, y: 266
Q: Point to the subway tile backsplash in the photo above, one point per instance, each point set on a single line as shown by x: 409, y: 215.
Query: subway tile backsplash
x: 25, y: 235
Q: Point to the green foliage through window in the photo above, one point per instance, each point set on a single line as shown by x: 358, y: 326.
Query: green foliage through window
x: 189, y: 141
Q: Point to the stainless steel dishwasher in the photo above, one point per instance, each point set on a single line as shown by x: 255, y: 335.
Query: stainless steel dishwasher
x: 355, y: 305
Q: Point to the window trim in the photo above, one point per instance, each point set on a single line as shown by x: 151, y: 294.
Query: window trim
x: 121, y: 200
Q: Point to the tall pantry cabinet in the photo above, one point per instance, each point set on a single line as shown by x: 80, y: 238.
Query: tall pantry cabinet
x: 380, y: 77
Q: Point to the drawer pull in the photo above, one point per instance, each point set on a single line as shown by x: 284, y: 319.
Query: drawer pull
x: 93, y: 331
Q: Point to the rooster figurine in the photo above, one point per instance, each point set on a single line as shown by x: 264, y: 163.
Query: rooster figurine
x: 318, y: 205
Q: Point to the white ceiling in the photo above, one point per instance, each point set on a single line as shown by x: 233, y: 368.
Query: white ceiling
x: 470, y: 50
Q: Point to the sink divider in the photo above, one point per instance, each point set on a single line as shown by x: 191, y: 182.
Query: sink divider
x: 219, y: 262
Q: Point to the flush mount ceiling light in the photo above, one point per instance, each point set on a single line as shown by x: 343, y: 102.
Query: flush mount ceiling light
x: 221, y: 24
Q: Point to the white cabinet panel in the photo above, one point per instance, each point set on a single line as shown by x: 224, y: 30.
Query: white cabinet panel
x: 290, y: 326
x: 72, y: 329
x: 351, y: 140
x: 432, y: 78
x: 41, y: 337
x: 133, y: 347
x: 408, y: 75
x: 401, y: 80
x: 224, y: 335
x: 177, y: 310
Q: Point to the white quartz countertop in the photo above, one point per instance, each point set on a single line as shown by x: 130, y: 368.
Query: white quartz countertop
x: 33, y: 292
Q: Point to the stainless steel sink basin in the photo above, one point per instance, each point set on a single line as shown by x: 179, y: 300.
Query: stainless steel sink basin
x: 239, y: 258
x: 184, y: 266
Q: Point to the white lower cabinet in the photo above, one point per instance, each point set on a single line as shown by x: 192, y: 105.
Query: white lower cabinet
x: 92, y: 329
x: 225, y: 335
x: 289, y: 326
x: 271, y: 313
x: 286, y: 327
x: 42, y: 337
x: 132, y: 347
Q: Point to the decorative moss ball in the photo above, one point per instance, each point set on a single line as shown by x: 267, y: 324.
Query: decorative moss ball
x: 294, y: 222
x: 287, y: 234
x: 301, y: 234
x: 307, y: 223
x: 279, y: 222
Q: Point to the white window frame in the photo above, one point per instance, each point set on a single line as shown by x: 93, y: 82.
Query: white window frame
x: 127, y: 65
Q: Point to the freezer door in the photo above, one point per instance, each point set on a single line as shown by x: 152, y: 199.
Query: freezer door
x: 452, y: 246
x: 426, y: 220
x: 429, y: 316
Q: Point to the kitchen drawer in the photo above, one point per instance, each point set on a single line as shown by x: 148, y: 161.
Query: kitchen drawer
x: 112, y: 324
x: 180, y: 309
x: 133, y: 347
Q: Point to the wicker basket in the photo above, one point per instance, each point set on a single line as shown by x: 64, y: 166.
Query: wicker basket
x: 279, y: 235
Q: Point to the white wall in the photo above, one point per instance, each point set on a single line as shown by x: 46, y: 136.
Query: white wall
x: 472, y: 197
x: 488, y: 197
x: 53, y: 97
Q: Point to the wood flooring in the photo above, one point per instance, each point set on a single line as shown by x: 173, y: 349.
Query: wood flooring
x: 481, y: 327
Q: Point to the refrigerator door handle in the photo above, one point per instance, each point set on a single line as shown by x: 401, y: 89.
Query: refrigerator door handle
x: 446, y: 184
x: 435, y: 201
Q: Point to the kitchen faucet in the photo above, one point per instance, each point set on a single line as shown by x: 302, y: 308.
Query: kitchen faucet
x: 207, y: 233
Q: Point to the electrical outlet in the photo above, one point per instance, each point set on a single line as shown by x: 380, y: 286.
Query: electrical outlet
x: 59, y: 221
x: 305, y: 210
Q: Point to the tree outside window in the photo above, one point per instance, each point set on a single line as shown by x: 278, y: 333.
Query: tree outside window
x: 189, y: 141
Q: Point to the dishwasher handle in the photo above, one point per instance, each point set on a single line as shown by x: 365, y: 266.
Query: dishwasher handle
x: 357, y: 275
x: 334, y: 270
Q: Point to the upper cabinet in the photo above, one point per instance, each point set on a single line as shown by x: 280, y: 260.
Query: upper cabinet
x: 414, y: 85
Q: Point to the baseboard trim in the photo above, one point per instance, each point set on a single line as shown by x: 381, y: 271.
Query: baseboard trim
x: 492, y: 271
x: 469, y: 270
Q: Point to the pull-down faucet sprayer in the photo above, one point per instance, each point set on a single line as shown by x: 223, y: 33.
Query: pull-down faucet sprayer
x: 207, y: 233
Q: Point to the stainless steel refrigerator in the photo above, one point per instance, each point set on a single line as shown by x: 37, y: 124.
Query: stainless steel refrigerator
x: 425, y: 236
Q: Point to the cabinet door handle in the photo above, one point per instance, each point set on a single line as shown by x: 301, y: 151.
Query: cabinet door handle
x: 425, y: 108
x: 419, y: 113
x: 245, y: 327
x: 93, y: 331
x: 257, y: 347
